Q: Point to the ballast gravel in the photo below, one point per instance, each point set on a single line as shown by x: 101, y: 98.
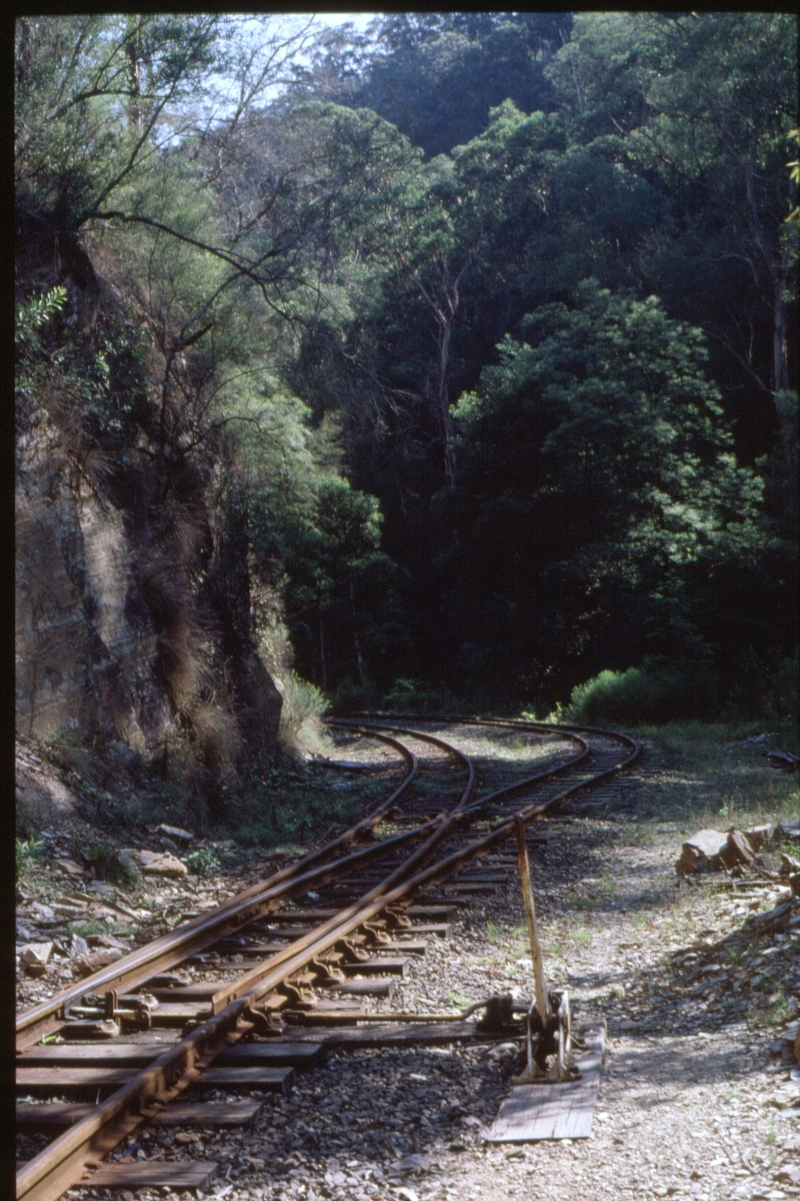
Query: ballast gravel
x: 693, y: 1103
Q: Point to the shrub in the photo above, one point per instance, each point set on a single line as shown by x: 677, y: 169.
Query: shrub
x: 203, y: 862
x: 303, y: 705
x: 415, y: 696
x: 27, y: 850
x: 111, y: 864
x: 277, y: 808
x: 354, y: 698
x: 787, y: 700
x: 650, y: 693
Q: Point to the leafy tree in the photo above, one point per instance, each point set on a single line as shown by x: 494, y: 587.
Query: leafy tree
x: 704, y: 102
x: 595, y: 467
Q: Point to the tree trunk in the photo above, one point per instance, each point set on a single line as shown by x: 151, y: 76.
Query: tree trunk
x: 445, y: 329
x: 362, y: 663
x: 780, y: 363
x: 322, y: 658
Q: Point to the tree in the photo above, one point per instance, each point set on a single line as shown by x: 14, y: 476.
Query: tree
x: 594, y: 464
x: 705, y: 102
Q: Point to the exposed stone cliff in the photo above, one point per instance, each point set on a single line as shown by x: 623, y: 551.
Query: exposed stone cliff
x: 132, y: 589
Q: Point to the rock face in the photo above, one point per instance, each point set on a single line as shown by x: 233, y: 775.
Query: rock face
x: 132, y: 589
x: 80, y: 662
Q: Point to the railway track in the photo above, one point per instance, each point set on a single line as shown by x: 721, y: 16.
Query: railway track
x: 241, y: 997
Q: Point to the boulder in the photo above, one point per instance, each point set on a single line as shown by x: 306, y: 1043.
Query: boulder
x: 160, y: 863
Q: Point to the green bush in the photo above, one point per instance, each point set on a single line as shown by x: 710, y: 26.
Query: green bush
x: 302, y: 703
x: 650, y: 693
x: 111, y: 864
x: 415, y: 696
x: 27, y: 850
x: 787, y: 700
x: 354, y: 698
x: 203, y: 862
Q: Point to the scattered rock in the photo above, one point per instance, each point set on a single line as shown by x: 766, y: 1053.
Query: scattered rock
x: 34, y: 957
x: 175, y: 833
x: 70, y: 867
x: 84, y: 965
x: 77, y: 946
x: 711, y: 850
x: 159, y: 863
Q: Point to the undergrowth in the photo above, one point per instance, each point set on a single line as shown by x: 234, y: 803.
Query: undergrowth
x: 277, y: 807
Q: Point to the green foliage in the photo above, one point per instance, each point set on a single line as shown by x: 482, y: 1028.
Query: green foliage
x: 203, y: 862
x: 275, y: 809
x: 577, y: 226
x: 354, y: 698
x: 651, y: 693
x: 27, y: 850
x: 613, y: 488
x: 31, y: 316
x: 415, y: 696
x: 110, y: 863
x: 303, y: 703
x: 787, y: 686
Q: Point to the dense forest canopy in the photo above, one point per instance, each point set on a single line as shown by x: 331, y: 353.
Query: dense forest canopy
x: 481, y: 329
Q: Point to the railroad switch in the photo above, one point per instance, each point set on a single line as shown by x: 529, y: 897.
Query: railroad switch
x: 297, y: 996
x: 326, y: 973
x: 498, y: 1015
x: 348, y: 950
x: 549, y: 1023
x: 132, y: 1012
x: 261, y: 1023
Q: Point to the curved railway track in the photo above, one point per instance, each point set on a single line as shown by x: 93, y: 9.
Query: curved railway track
x: 362, y: 883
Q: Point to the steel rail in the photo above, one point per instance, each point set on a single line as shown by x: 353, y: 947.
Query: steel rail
x: 442, y: 824
x: 63, y: 1162
x: 190, y: 937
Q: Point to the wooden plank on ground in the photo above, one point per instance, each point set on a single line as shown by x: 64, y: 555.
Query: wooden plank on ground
x: 58, y: 1080
x: 431, y: 912
x: 273, y: 1080
x: 274, y: 1053
x: 126, y: 1055
x: 553, y: 1110
x: 376, y: 987
x: 185, y: 1174
x: 210, y: 1113
x: 60, y: 1115
x: 66, y: 1080
x: 376, y: 967
x: 427, y: 1034
x: 482, y: 878
x: 478, y: 890
x: 50, y: 1115
x: 406, y: 947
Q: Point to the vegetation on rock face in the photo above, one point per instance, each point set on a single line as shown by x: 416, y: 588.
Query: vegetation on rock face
x: 457, y: 358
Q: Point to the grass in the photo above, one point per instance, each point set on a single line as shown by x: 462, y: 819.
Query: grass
x: 457, y: 999
x: 492, y: 932
x: 720, y: 780
x: 82, y: 929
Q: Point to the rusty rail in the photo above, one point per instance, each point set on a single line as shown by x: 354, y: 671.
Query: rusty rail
x: 65, y: 1160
